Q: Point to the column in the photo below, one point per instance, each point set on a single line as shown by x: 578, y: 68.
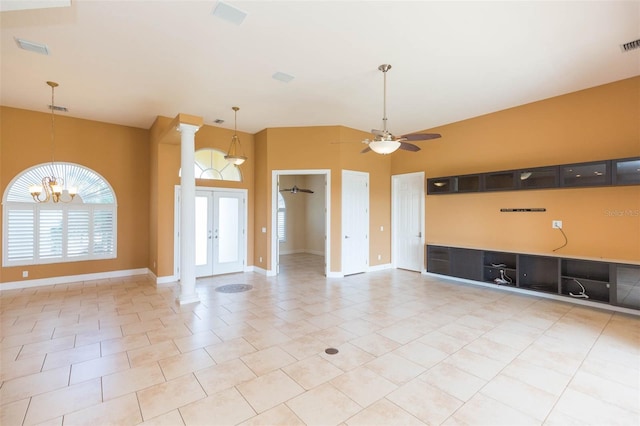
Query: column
x: 187, y: 215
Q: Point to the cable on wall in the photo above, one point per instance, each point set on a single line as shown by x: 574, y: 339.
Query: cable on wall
x: 566, y: 241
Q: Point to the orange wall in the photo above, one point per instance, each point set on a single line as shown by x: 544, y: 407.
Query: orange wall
x: 118, y: 153
x: 333, y: 148
x: 593, y: 124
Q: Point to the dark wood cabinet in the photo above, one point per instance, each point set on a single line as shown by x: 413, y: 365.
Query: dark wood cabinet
x: 625, y: 171
x: 586, y: 174
x: 538, y: 178
x: 587, y: 280
x: 466, y: 263
x: 500, y: 181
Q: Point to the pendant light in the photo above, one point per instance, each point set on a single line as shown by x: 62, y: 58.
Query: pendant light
x: 235, y: 155
x: 52, y: 186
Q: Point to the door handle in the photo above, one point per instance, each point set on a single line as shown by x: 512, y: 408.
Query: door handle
x: 346, y: 236
x: 419, y: 235
x: 209, y: 233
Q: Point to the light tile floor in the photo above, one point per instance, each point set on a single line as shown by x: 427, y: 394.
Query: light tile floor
x: 413, y: 349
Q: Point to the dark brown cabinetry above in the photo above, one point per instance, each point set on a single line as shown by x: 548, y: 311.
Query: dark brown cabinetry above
x: 625, y: 171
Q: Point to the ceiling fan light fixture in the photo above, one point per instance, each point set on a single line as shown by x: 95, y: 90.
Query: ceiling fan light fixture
x: 384, y: 146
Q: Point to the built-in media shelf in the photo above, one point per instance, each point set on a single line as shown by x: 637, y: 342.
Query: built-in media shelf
x: 625, y: 171
x: 588, y: 280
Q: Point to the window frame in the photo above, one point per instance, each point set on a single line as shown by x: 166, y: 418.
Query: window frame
x: 81, y: 235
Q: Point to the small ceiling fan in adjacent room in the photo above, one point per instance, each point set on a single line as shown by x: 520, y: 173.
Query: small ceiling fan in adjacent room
x: 295, y: 190
x: 384, y: 142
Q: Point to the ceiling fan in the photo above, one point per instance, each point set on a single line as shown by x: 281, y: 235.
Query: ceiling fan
x: 295, y: 190
x: 384, y: 142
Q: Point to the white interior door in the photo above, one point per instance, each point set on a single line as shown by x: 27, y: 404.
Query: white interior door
x: 355, y: 222
x: 228, y: 232
x: 408, y: 221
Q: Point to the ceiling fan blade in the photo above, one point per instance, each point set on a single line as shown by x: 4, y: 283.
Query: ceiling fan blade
x: 286, y: 190
x: 409, y: 147
x: 367, y: 149
x: 308, y: 191
x: 377, y: 132
x: 421, y: 136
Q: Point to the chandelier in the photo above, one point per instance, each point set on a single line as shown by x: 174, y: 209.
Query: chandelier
x: 51, y: 187
x: 234, y: 154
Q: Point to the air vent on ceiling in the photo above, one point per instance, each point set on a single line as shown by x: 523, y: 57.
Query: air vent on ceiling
x: 635, y: 44
x: 229, y: 13
x: 59, y: 108
x: 32, y: 46
x: 283, y: 77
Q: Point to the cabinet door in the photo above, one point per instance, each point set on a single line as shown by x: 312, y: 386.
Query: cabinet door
x: 466, y: 263
x: 538, y: 273
x: 438, y: 260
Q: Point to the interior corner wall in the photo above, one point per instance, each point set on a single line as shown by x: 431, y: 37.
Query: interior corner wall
x: 593, y: 124
x: 262, y: 203
x: 118, y: 153
x: 333, y: 148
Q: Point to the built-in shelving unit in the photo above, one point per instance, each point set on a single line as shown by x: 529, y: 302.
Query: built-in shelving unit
x: 588, y: 280
x: 624, y: 171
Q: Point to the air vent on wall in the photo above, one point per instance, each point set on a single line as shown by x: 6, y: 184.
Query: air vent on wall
x: 635, y: 44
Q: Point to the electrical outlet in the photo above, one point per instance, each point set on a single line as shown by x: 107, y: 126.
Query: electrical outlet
x: 25, y: 274
x: 379, y: 257
x: 556, y: 224
x: 260, y: 259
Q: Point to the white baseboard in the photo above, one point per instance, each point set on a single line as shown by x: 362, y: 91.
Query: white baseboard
x: 168, y: 279
x: 380, y: 267
x: 67, y: 279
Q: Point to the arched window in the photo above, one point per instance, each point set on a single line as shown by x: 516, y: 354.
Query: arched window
x: 282, y: 219
x: 210, y: 164
x: 80, y: 228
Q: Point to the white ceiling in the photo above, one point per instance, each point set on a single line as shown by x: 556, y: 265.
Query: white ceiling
x: 126, y: 62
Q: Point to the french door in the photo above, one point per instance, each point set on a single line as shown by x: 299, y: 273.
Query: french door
x: 220, y: 232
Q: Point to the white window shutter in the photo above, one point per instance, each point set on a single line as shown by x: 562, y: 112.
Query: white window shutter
x: 20, y: 235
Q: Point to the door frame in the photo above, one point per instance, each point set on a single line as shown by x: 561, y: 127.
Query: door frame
x: 176, y: 223
x: 275, y: 174
x: 395, y: 217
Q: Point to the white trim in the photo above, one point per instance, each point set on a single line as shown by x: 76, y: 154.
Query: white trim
x: 382, y: 267
x: 275, y: 174
x: 67, y: 279
x: 167, y: 279
x: 537, y: 294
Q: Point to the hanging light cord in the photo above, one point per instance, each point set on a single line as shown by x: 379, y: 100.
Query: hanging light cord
x: 53, y: 140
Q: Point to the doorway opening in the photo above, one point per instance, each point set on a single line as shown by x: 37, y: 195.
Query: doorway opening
x: 300, y: 220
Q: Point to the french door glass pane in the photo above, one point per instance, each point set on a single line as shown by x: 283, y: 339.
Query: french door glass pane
x: 202, y: 231
x: 228, y: 228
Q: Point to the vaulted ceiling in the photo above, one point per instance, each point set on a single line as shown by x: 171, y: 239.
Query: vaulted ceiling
x: 126, y: 62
